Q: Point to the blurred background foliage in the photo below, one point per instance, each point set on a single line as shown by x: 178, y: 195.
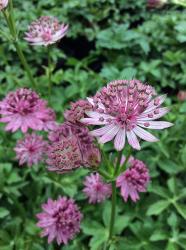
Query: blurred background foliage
x: 107, y: 39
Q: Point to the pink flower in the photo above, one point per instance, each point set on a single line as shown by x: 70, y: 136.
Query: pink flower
x: 95, y: 189
x: 124, y: 108
x: 181, y: 95
x: 71, y: 147
x: 23, y: 109
x: 156, y: 3
x: 65, y: 155
x: 30, y: 149
x: 3, y: 4
x: 45, y: 31
x: 60, y: 220
x: 134, y: 180
x: 77, y: 111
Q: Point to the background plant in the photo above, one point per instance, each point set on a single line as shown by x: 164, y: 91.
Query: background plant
x: 106, y: 40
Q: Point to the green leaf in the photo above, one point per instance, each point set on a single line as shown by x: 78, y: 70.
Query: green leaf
x: 159, y: 235
x: 158, y: 207
x: 172, y: 185
x: 91, y: 227
x: 3, y: 212
x: 100, y: 238
x: 171, y: 246
x: 181, y: 209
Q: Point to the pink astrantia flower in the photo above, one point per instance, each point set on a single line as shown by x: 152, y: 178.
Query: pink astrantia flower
x: 95, y: 189
x: 30, y: 149
x: 156, y: 3
x: 134, y: 180
x: 77, y: 111
x: 45, y: 31
x: 71, y: 147
x: 124, y: 108
x: 60, y: 220
x: 3, y: 4
x: 23, y: 109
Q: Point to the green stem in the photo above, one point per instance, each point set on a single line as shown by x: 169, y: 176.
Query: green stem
x: 123, y: 167
x: 113, y: 210
x: 118, y: 163
x: 49, y: 72
x: 104, y: 174
x: 24, y: 63
x: 11, y: 25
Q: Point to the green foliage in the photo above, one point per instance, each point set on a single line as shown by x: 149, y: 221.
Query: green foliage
x: 107, y: 39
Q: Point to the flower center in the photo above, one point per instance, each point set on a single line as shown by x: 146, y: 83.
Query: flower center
x: 125, y: 119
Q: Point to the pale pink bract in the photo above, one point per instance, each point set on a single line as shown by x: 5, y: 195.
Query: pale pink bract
x: 60, y: 220
x: 24, y: 109
x: 134, y: 180
x: 30, y: 149
x: 45, y: 31
x: 124, y: 108
x: 3, y: 4
x: 95, y: 189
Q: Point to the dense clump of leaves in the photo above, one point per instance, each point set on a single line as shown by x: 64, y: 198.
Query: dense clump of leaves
x: 107, y: 40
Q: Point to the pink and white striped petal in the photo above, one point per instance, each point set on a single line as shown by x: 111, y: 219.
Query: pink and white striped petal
x: 119, y: 141
x: 151, y: 106
x: 155, y: 124
x: 145, y: 135
x: 101, y: 131
x: 133, y: 140
x: 93, y: 121
x: 161, y: 112
x: 109, y: 135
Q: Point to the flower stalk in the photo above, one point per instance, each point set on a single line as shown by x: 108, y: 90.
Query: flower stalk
x: 49, y: 71
x: 8, y: 15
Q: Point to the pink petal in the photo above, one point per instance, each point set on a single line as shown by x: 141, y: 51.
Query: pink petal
x: 109, y: 135
x: 145, y: 135
x: 151, y: 105
x: 102, y: 131
x: 119, y: 141
x: 93, y: 121
x: 97, y: 115
x: 133, y: 140
x: 155, y: 124
x: 162, y: 112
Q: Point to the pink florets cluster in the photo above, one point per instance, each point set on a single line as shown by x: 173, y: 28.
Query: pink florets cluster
x: 95, y: 189
x: 134, y: 180
x: 156, y: 3
x: 3, y: 4
x: 30, y: 149
x: 23, y: 109
x: 77, y: 111
x: 124, y: 108
x: 45, y: 31
x: 59, y: 220
x: 71, y: 147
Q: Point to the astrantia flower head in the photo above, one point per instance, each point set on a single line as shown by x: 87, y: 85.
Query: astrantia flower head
x: 30, y: 149
x: 45, y: 31
x: 156, y: 3
x: 95, y: 189
x: 60, y: 220
x: 124, y: 108
x: 77, y: 111
x: 134, y: 180
x: 23, y: 109
x: 71, y: 147
x: 3, y: 4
